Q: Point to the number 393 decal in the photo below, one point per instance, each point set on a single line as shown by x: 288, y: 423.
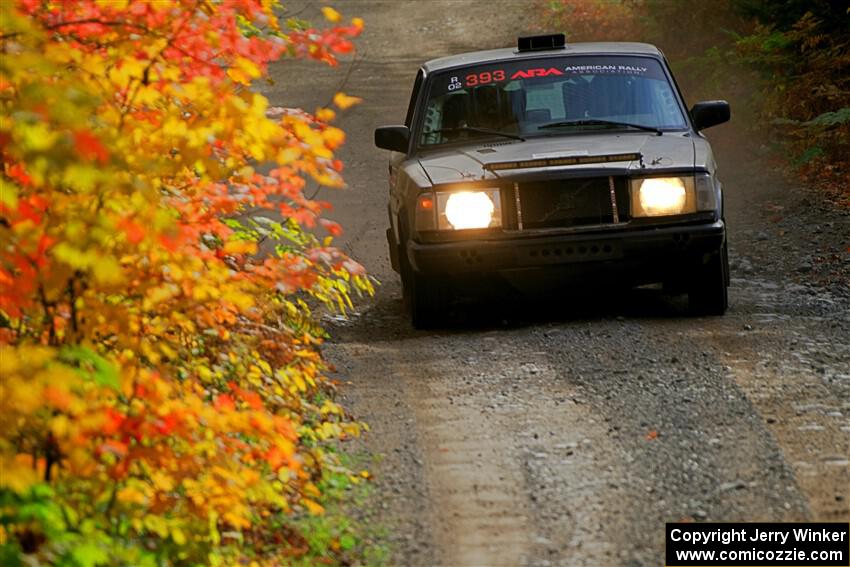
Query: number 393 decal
x: 484, y: 77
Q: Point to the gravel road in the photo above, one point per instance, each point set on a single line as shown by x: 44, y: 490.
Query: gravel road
x: 560, y: 430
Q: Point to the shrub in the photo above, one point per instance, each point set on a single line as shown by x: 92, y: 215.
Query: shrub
x: 164, y: 399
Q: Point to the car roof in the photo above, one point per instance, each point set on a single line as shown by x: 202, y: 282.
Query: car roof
x: 511, y: 53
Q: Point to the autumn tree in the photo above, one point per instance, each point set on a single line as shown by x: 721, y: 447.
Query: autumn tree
x: 163, y: 394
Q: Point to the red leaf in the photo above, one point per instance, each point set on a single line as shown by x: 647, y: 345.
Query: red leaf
x: 333, y: 227
x: 135, y: 231
x: 113, y: 422
x: 19, y: 174
x: 89, y: 146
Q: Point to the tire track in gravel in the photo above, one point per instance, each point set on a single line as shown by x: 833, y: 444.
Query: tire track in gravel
x: 790, y: 358
x: 479, y: 509
x: 498, y: 433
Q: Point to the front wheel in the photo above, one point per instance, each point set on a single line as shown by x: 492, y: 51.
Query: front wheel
x: 708, y: 291
x: 425, y: 298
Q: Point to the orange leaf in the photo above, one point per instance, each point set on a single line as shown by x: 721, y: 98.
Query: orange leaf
x: 224, y: 402
x: 115, y: 447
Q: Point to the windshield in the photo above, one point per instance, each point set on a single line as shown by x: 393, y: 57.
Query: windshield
x: 532, y: 96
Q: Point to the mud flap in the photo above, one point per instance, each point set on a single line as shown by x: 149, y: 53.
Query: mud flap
x: 393, y: 251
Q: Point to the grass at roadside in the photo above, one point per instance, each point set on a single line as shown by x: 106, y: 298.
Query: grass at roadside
x: 337, y: 533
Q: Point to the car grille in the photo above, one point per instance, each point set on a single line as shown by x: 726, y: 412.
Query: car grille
x: 565, y: 203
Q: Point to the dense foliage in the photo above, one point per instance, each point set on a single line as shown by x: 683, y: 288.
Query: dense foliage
x: 163, y: 396
x: 802, y: 52
x: 785, y: 64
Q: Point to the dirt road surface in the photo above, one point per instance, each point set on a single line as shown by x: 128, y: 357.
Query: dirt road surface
x: 566, y: 431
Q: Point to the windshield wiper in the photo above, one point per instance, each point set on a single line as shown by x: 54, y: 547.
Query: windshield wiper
x: 478, y: 130
x: 595, y: 122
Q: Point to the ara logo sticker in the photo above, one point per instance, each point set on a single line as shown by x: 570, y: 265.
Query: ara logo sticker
x: 541, y: 72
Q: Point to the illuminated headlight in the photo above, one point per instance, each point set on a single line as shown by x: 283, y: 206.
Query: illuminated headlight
x: 460, y: 210
x: 665, y: 196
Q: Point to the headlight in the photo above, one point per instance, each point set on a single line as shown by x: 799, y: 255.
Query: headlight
x: 665, y: 196
x: 469, y: 209
x: 661, y: 196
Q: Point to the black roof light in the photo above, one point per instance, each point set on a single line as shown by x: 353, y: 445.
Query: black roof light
x: 541, y: 42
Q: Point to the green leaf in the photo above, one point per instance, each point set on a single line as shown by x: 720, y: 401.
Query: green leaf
x: 10, y: 554
x: 841, y: 116
x: 102, y: 371
x: 89, y: 555
x: 347, y: 541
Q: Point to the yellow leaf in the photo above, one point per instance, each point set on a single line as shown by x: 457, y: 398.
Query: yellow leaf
x: 314, y: 507
x: 108, y: 271
x: 334, y: 137
x: 131, y: 495
x: 238, y: 75
x: 162, y: 481
x: 325, y: 114
x: 357, y: 23
x: 9, y: 195
x: 299, y: 382
x: 240, y: 247
x: 248, y: 67
x: 38, y: 137
x: 59, y: 426
x: 265, y: 366
x: 344, y: 101
x: 17, y: 475
x: 331, y: 15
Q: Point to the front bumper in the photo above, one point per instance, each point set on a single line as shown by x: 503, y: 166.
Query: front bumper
x: 647, y: 254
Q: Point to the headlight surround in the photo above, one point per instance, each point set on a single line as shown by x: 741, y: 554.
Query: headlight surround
x: 668, y: 196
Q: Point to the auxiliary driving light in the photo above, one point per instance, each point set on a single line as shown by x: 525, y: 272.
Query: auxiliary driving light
x: 469, y: 209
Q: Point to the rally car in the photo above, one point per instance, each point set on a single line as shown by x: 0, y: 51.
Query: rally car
x: 578, y: 162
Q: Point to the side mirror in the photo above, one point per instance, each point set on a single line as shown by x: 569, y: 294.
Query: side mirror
x: 710, y: 113
x: 394, y: 138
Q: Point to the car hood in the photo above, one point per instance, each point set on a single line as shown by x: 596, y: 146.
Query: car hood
x: 476, y: 162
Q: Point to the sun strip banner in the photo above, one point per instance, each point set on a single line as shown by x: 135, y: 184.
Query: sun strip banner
x: 551, y: 162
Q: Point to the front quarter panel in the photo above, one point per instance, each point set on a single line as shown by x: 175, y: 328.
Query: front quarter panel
x: 704, y: 159
x: 703, y: 156
x: 407, y: 180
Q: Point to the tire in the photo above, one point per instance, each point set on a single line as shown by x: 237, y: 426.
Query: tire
x: 708, y: 291
x: 426, y: 299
